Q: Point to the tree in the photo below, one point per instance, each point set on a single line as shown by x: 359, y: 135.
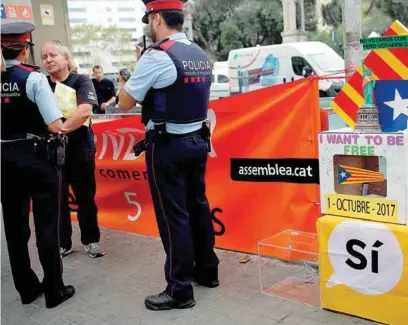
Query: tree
x: 207, y: 19
x: 327, y: 38
x: 375, y: 20
x: 111, y: 40
x: 396, y: 9
x: 222, y: 25
x: 376, y: 13
x: 253, y: 23
x: 310, y: 15
x: 104, y: 38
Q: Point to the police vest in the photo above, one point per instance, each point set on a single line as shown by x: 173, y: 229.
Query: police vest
x: 19, y: 115
x: 186, y: 100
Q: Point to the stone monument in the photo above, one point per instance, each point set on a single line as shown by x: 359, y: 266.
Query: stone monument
x: 291, y: 33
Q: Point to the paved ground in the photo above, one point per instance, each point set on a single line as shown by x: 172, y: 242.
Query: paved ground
x: 111, y: 290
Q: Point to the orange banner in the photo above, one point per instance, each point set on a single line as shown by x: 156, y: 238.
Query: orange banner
x: 279, y: 123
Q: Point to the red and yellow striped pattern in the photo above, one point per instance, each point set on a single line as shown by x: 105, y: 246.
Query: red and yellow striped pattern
x: 358, y: 175
x: 386, y: 64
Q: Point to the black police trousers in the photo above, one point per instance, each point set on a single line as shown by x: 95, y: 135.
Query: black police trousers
x: 80, y: 175
x: 29, y: 175
x: 176, y: 169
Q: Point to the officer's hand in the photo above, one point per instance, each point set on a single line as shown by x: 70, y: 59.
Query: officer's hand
x: 104, y: 106
x: 138, y: 52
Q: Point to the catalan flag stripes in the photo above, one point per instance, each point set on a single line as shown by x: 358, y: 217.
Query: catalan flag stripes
x: 353, y: 175
x: 386, y: 64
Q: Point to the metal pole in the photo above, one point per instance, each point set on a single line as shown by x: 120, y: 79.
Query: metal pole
x: 352, y: 34
x: 302, y: 15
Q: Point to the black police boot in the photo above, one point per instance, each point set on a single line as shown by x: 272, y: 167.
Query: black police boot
x: 207, y: 283
x: 67, y: 293
x: 163, y: 301
x: 207, y: 279
x: 29, y: 299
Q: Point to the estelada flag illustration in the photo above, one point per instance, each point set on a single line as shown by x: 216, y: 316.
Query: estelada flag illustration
x: 386, y: 64
x: 353, y: 175
x: 392, y: 100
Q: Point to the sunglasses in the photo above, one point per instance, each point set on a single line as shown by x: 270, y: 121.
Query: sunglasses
x: 57, y: 42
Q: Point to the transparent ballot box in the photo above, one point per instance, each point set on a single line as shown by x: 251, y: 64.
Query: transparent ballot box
x: 288, y: 266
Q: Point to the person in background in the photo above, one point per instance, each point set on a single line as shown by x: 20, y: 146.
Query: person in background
x: 80, y: 155
x: 175, y: 111
x: 29, y: 115
x: 74, y: 67
x: 105, y: 90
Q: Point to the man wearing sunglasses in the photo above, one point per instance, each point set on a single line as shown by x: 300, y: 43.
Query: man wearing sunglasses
x: 172, y: 81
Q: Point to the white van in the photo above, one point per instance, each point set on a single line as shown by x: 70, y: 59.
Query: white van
x: 220, y: 81
x: 262, y: 66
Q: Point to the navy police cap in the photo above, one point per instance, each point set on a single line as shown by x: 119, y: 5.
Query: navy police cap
x: 157, y: 5
x: 17, y: 32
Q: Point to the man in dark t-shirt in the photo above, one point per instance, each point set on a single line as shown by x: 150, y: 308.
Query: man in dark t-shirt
x: 79, y: 169
x: 81, y: 141
x: 105, y: 90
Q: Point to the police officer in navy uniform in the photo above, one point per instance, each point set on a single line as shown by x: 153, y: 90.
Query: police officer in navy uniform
x: 172, y: 81
x: 29, y: 115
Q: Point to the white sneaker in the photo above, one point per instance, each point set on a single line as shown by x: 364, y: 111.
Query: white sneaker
x: 65, y: 251
x: 94, y: 250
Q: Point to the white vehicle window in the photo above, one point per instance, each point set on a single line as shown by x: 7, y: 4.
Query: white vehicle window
x: 298, y: 63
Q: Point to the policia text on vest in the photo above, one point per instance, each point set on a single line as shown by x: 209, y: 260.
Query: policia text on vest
x: 303, y: 171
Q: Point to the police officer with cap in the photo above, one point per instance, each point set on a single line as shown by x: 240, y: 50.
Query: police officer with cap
x: 172, y: 81
x: 29, y: 118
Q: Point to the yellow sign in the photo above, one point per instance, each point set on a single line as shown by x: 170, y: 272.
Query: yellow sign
x: 67, y: 100
x: 364, y: 268
x: 362, y: 207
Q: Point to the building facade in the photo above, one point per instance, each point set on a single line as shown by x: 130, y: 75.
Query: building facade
x: 125, y: 14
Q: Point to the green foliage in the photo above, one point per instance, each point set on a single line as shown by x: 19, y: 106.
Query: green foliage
x: 310, y: 15
x: 397, y: 9
x: 105, y: 39
x: 375, y: 20
x: 222, y: 25
x: 207, y: 19
x: 100, y: 37
x: 377, y: 14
